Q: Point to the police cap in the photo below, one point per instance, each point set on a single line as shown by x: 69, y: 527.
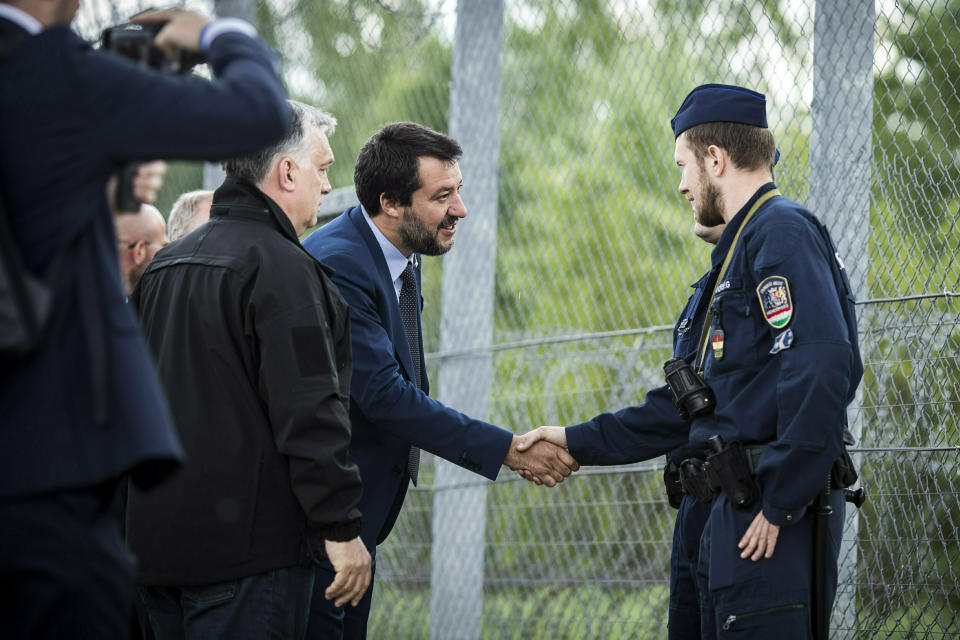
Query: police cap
x: 720, y: 103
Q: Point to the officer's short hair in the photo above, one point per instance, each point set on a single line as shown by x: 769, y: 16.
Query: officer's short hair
x: 388, y: 163
x: 254, y: 167
x: 750, y: 147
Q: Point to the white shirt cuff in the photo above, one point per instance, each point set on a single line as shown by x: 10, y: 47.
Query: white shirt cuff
x: 220, y: 26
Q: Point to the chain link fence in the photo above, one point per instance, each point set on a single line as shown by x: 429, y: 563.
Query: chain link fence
x: 593, y: 254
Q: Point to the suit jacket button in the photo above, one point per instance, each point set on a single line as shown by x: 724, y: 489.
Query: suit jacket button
x: 396, y: 470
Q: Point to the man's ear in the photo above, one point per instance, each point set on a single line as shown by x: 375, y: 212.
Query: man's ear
x: 716, y: 160
x: 139, y: 252
x: 286, y: 174
x: 390, y: 207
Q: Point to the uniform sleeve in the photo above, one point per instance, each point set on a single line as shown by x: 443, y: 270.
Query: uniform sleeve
x: 395, y: 404
x: 630, y: 435
x: 298, y: 380
x: 144, y: 114
x: 814, y: 356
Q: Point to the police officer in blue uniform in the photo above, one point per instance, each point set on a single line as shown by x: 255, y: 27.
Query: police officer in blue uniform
x: 684, y: 610
x: 778, y: 356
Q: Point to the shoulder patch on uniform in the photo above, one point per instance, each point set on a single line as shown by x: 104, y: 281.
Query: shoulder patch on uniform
x: 774, y: 295
x: 784, y: 340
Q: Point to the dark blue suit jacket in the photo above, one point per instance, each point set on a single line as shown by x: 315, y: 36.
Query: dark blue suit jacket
x: 87, y: 406
x: 387, y: 411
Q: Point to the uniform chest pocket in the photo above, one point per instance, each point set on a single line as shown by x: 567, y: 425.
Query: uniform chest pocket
x: 733, y: 337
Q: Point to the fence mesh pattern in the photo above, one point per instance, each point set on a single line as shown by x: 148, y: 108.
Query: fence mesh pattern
x: 595, y: 251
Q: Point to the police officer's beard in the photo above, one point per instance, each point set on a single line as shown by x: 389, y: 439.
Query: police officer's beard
x: 419, y: 238
x: 709, y: 213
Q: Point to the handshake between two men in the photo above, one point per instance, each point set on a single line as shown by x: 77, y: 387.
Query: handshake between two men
x: 541, y: 456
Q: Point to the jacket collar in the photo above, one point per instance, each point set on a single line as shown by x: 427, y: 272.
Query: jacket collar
x: 720, y: 251
x: 355, y: 215
x: 238, y: 199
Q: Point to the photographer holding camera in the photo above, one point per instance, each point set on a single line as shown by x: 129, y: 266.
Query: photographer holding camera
x: 81, y: 407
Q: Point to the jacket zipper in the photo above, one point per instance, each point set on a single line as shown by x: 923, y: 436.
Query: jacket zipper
x: 732, y: 619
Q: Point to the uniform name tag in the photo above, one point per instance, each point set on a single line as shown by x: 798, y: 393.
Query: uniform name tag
x: 774, y: 295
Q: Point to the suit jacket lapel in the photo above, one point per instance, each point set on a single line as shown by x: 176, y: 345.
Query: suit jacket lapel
x: 391, y: 313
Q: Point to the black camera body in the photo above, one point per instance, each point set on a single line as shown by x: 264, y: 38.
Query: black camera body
x: 135, y: 42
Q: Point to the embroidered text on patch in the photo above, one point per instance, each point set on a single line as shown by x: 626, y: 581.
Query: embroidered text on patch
x: 774, y: 294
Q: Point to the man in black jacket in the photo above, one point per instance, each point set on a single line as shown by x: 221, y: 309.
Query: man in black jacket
x: 253, y: 347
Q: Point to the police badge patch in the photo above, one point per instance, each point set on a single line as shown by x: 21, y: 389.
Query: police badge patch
x: 774, y: 294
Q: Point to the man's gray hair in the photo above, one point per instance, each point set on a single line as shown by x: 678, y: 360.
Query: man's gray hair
x: 254, y: 167
x: 183, y: 212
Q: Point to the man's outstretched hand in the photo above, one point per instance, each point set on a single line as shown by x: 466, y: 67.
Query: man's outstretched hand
x: 542, y: 462
x: 541, y: 456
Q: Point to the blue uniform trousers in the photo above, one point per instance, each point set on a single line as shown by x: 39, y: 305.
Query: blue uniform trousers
x: 769, y: 598
x: 684, y: 620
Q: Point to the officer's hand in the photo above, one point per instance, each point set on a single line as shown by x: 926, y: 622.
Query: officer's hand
x: 351, y: 561
x: 556, y: 435
x: 760, y: 539
x: 182, y: 30
x: 545, y: 462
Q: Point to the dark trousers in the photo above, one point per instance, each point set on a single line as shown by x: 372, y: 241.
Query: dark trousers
x: 275, y: 604
x: 769, y: 598
x: 684, y: 617
x: 64, y: 569
x: 328, y: 622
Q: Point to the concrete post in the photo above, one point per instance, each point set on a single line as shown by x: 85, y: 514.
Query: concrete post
x: 459, y: 511
x: 841, y: 157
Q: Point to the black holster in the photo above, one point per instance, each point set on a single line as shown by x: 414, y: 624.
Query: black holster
x: 671, y: 481
x: 730, y: 468
x: 843, y: 474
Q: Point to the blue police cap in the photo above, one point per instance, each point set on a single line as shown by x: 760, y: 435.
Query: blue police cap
x: 720, y: 103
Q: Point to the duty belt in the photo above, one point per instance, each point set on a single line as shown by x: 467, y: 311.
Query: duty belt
x: 702, y: 479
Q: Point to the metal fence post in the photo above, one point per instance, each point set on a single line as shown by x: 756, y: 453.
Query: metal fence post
x: 840, y: 162
x: 459, y: 512
x: 213, y: 175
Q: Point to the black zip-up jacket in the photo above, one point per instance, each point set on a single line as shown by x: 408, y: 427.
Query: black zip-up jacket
x: 252, y: 344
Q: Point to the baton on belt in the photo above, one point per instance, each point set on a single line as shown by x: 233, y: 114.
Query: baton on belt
x: 821, y: 552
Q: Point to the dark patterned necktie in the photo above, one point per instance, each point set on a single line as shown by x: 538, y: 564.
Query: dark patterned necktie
x: 409, y: 310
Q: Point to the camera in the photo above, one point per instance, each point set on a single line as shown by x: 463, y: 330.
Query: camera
x: 135, y: 42
x: 691, y: 395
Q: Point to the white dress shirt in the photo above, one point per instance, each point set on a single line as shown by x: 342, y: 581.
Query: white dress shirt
x: 396, y: 261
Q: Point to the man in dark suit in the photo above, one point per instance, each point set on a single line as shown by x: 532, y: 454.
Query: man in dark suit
x: 84, y: 410
x: 408, y: 182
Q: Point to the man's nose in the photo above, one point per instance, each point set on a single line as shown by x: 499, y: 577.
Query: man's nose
x: 458, y: 208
